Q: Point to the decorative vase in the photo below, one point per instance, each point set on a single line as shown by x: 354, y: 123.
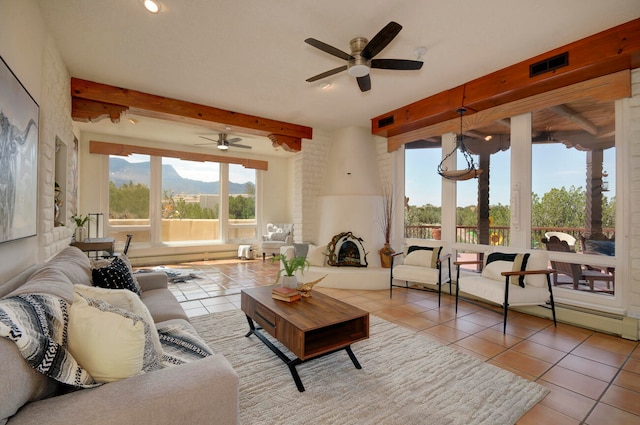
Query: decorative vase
x: 81, y: 234
x: 385, y: 255
x: 289, y: 282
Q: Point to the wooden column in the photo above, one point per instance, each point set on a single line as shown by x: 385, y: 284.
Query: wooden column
x: 593, y: 205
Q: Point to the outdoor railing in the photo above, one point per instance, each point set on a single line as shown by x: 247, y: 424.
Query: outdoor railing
x: 498, y: 235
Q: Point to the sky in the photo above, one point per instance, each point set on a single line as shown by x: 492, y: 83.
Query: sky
x: 202, y: 171
x: 554, y: 165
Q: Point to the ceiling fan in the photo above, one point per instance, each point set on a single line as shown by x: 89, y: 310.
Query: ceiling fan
x: 360, y: 61
x: 223, y: 143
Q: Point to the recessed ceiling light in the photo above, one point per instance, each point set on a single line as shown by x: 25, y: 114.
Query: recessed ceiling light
x: 152, y: 6
x: 132, y: 121
x: 325, y: 85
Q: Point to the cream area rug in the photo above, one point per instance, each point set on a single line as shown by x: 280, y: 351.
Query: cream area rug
x: 405, y: 379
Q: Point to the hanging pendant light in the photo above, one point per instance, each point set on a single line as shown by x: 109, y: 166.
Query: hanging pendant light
x: 472, y: 171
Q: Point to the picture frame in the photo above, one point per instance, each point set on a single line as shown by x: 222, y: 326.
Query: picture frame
x: 19, y: 123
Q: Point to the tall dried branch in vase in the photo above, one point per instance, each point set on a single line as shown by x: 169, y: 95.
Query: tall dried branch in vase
x: 385, y: 223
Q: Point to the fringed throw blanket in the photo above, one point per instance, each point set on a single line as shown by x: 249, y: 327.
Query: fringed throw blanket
x: 181, y: 346
x: 37, y: 324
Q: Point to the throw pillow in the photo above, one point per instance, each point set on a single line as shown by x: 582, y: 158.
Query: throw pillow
x: 498, y: 262
x: 126, y: 300
x: 432, y: 259
x: 108, y: 344
x: 278, y: 236
x: 115, y: 275
x: 420, y: 257
x: 301, y: 249
x: 37, y: 324
x: 317, y: 255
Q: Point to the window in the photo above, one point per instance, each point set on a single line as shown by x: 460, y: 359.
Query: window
x: 242, y: 203
x: 190, y: 200
x: 129, y: 196
x: 423, y: 191
x: 482, y: 207
x: 163, y: 199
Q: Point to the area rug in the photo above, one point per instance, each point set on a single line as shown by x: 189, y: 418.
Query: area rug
x: 405, y: 379
x: 175, y: 275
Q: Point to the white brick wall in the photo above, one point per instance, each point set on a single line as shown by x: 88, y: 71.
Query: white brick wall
x: 631, y: 113
x: 55, y: 122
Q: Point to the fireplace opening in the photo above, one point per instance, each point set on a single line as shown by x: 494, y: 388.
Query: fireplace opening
x: 347, y: 250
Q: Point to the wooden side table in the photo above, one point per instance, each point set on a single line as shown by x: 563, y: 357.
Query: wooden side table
x: 96, y: 245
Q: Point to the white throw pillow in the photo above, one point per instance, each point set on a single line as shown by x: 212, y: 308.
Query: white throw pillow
x: 494, y: 270
x: 316, y: 255
x: 108, y: 345
x: 419, y: 257
x: 126, y: 300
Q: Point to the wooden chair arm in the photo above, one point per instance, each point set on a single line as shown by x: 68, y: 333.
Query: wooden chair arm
x: 443, y: 258
x: 526, y: 272
x: 397, y: 253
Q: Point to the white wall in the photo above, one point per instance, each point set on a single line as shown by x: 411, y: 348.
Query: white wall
x: 31, y: 54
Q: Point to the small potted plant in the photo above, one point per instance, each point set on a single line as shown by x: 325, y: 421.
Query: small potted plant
x: 289, y: 267
x: 81, y: 232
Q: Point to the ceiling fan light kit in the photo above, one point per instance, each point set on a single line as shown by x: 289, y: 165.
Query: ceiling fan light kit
x: 152, y: 6
x: 361, y: 59
x: 472, y: 171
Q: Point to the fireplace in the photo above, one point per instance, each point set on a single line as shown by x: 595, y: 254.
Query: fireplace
x: 346, y: 250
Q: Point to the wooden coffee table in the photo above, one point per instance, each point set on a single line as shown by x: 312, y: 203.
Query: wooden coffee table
x: 309, y: 328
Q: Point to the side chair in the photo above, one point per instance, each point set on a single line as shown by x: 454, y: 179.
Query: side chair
x: 422, y: 264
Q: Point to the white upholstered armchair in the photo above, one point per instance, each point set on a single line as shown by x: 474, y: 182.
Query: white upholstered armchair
x: 278, y: 235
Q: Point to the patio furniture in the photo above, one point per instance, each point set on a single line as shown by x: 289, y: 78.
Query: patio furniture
x: 576, y: 272
x: 571, y: 241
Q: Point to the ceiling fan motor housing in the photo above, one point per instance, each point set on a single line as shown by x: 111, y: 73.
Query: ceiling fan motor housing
x: 358, y: 66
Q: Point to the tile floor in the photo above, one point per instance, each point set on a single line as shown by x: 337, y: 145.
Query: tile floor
x: 594, y: 378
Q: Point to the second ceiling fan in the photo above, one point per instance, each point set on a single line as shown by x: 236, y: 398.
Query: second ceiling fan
x: 361, y: 59
x: 223, y: 143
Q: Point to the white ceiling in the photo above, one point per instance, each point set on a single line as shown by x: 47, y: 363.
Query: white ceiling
x: 250, y: 56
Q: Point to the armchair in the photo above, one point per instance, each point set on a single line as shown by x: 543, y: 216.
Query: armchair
x: 509, y: 279
x: 422, y: 264
x: 278, y: 235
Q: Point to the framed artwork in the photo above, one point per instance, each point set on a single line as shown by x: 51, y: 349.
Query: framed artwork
x: 18, y: 158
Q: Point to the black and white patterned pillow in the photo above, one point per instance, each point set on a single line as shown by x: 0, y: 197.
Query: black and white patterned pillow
x: 115, y: 275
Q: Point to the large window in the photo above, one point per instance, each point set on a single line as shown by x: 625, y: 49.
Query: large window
x: 171, y: 200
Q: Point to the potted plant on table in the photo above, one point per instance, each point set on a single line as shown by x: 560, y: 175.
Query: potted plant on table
x: 81, y: 232
x: 289, y: 267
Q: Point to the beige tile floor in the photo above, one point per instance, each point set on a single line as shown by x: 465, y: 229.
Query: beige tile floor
x: 594, y: 378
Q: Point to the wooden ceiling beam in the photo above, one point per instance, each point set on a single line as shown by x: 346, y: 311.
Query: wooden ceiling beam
x: 93, y: 101
x: 605, y: 53
x: 566, y: 112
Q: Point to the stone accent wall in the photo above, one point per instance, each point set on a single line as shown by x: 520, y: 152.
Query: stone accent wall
x: 55, y: 123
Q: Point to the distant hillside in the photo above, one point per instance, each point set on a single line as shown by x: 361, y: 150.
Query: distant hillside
x: 122, y: 171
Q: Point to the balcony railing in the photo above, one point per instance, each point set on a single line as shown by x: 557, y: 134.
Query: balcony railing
x: 498, y: 235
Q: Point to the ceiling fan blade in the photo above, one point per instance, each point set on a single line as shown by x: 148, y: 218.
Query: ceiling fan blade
x: 381, y: 39
x: 234, y: 140
x: 207, y: 138
x: 328, y: 49
x: 233, y: 145
x: 327, y: 74
x: 364, y: 83
x: 401, y: 64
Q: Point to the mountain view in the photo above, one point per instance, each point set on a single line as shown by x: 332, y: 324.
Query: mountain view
x: 122, y: 171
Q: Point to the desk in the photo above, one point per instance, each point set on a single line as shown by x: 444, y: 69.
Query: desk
x: 96, y: 245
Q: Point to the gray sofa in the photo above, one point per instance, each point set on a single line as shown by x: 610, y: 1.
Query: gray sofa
x: 199, y: 392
